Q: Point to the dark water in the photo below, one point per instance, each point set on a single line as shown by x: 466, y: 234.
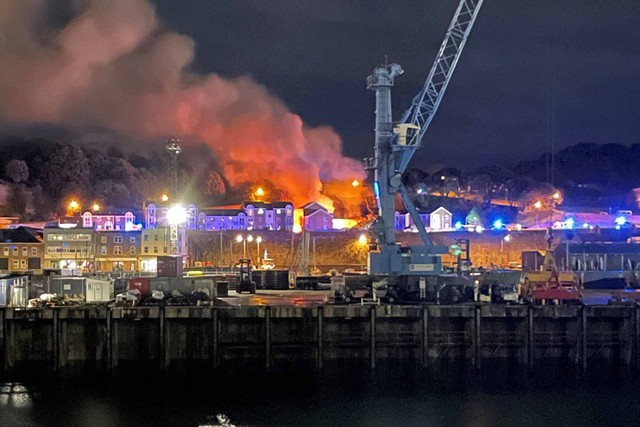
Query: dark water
x: 451, y: 395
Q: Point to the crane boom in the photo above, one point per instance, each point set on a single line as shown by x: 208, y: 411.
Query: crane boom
x: 395, y: 145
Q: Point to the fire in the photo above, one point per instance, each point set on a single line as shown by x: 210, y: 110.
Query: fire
x: 114, y: 66
x: 343, y: 223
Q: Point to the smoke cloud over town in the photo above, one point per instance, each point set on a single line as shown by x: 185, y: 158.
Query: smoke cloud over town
x: 112, y: 65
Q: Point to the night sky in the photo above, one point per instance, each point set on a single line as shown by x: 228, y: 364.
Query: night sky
x: 532, y: 72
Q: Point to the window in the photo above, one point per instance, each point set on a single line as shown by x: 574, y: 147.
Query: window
x: 155, y: 237
x: 165, y: 249
x: 25, y: 251
x: 15, y: 263
x: 146, y: 249
x: 117, y: 250
x: 5, y: 251
x: 103, y: 250
x: 132, y: 250
x: 155, y: 249
x: 15, y: 251
x: 132, y: 240
x: 23, y: 263
x: 4, y: 263
x: 146, y: 237
x: 103, y: 239
x: 117, y: 239
x: 34, y: 251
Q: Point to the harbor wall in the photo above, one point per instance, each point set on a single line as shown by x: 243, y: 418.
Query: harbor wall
x: 215, y: 337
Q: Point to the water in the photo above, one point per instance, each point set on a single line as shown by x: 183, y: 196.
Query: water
x: 343, y: 395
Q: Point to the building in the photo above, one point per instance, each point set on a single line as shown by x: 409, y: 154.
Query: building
x: 117, y: 251
x: 21, y: 251
x: 317, y: 217
x: 155, y: 214
x: 103, y: 221
x: 221, y: 219
x: 403, y: 220
x: 162, y: 241
x: 440, y: 219
x: 269, y: 216
x: 68, y: 246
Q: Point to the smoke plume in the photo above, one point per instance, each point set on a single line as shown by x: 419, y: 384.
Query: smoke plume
x: 113, y: 66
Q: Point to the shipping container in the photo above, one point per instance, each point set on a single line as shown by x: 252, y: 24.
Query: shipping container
x: 142, y: 284
x: 98, y: 290
x: 168, y: 266
x: 5, y: 289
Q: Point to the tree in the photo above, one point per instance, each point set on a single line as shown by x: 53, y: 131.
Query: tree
x: 17, y: 171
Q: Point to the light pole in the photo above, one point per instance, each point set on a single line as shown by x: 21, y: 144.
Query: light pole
x: 537, y: 205
x: 258, y: 241
x: 241, y: 239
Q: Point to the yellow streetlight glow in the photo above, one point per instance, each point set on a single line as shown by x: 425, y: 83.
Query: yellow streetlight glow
x: 176, y: 215
x: 355, y: 183
x: 363, y: 239
x: 95, y: 207
x: 74, y: 205
x: 297, y: 228
x: 537, y: 204
x: 249, y: 238
x: 239, y: 238
x: 259, y: 239
x: 556, y: 195
x: 164, y: 198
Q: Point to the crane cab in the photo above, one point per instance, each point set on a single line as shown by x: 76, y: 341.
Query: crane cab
x: 406, y: 133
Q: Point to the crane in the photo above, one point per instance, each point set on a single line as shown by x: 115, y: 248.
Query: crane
x: 407, y: 269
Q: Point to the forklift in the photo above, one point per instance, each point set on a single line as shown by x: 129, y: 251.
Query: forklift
x: 245, y: 284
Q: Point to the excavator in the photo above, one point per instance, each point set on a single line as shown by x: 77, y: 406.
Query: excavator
x: 408, y: 272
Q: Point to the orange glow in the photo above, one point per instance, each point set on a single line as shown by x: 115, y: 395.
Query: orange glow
x: 343, y: 223
x: 95, y: 207
x: 363, y: 239
x: 537, y: 204
x: 298, y: 218
x: 259, y: 192
x: 164, y: 198
x: 355, y: 183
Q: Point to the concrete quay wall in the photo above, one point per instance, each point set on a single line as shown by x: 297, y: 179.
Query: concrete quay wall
x: 276, y: 336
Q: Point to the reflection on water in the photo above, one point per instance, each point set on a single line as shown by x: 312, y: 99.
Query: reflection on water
x: 394, y: 395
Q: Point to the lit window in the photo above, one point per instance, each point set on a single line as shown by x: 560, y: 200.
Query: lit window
x: 5, y: 250
x: 25, y: 251
x: 103, y: 239
x: 132, y: 240
x: 103, y: 250
x: 23, y: 263
x: 15, y: 251
x: 117, y: 239
x: 278, y: 211
x: 132, y: 250
x: 155, y: 249
x: 260, y: 211
x: 15, y: 263
x: 34, y: 251
x: 146, y: 249
x: 117, y: 250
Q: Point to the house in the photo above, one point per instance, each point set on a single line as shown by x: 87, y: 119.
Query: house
x: 222, y: 218
x: 161, y: 241
x: 440, y: 219
x: 117, y: 250
x: 69, y: 246
x: 403, y: 220
x: 109, y: 221
x: 269, y: 216
x: 317, y: 217
x: 21, y: 251
x: 155, y: 214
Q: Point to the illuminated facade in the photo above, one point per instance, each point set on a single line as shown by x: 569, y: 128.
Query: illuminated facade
x: 69, y: 248
x: 109, y: 222
x: 21, y: 251
x: 117, y: 251
x: 161, y: 241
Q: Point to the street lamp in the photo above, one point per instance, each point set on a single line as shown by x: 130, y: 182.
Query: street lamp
x: 241, y: 239
x: 537, y: 205
x: 507, y: 239
x: 258, y: 241
x: 95, y: 207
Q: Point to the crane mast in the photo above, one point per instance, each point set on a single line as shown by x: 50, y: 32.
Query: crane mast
x: 395, y: 145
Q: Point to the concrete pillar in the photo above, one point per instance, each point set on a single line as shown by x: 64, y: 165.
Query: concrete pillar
x: 163, y: 338
x: 56, y: 348
x: 320, y: 350
x: 583, y: 338
x: 636, y: 355
x: 477, y: 347
x: 267, y: 338
x: 215, y: 328
x: 425, y: 336
x: 372, y: 337
x: 115, y: 355
x: 3, y: 340
x: 108, y: 340
x: 531, y: 343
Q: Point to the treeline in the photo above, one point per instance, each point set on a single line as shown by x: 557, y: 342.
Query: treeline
x: 41, y: 176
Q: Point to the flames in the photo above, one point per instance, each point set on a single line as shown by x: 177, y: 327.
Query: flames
x: 113, y: 66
